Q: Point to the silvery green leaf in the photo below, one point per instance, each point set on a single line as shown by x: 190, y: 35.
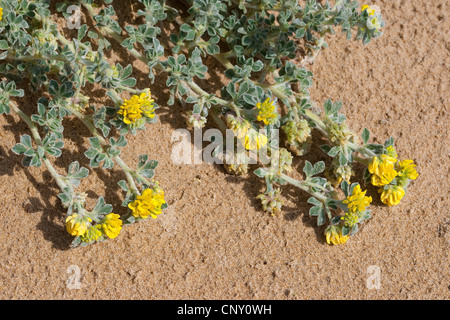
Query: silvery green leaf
x: 319, y: 167
x: 260, y: 172
x: 314, y: 201
x: 315, y: 211
x: 308, y: 169
x: 19, y: 149
x: 123, y: 185
x: 365, y: 136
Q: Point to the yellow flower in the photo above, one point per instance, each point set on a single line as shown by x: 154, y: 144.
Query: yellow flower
x: 254, y: 140
x: 267, y: 112
x: 370, y: 11
x: 375, y: 24
x: 374, y: 14
x: 248, y: 136
x: 112, y: 225
x: 137, y: 107
x: 357, y: 201
x: 1, y: 14
x: 382, y: 170
x: 392, y: 196
x: 350, y: 218
x: 406, y: 168
x: 238, y: 126
x: 334, y: 235
x: 93, y: 233
x: 391, y: 152
x: 77, y: 225
x: 148, y: 204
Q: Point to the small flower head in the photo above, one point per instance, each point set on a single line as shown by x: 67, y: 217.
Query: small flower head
x: 271, y: 201
x: 298, y: 136
x: 111, y: 225
x: 337, y: 173
x: 334, y: 235
x: 340, y: 133
x: 238, y: 125
x: 137, y: 107
x: 407, y: 169
x: 195, y: 120
x: 382, y: 170
x: 1, y: 13
x: 254, y: 140
x: 113, y: 72
x: 267, y: 112
x: 281, y: 160
x: 357, y: 201
x: 374, y: 21
x: 93, y: 233
x: 390, y: 151
x: 350, y: 219
x: 250, y: 138
x: 392, y: 195
x: 369, y: 9
x: 237, y: 165
x: 45, y: 36
x: 148, y: 204
x: 77, y: 225
x: 78, y: 103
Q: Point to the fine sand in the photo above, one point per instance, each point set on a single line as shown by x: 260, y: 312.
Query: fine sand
x: 214, y: 241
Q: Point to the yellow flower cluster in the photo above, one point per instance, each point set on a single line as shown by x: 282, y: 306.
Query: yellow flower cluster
x: 267, y: 112
x: 334, y: 235
x: 1, y: 13
x: 254, y: 140
x: 392, y: 195
x: 250, y: 138
x: 374, y: 22
x: 382, y: 170
x: 407, y: 169
x: 370, y: 10
x: 392, y: 176
x: 356, y: 204
x: 357, y: 201
x: 112, y: 225
x: 148, y: 204
x: 93, y: 233
x: 137, y: 107
x: 78, y: 225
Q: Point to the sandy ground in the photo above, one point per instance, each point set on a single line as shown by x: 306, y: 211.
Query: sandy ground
x: 214, y: 241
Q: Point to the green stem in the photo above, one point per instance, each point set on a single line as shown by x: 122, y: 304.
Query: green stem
x: 37, y: 138
x: 61, y: 181
x: 58, y: 57
x: 305, y: 186
x: 87, y: 121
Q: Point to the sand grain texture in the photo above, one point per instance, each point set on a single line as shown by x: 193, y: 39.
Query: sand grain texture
x: 214, y: 241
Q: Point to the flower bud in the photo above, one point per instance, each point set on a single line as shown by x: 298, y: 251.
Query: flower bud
x: 77, y: 225
x: 271, y: 201
x: 196, y: 121
x: 298, y: 136
x: 334, y: 235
